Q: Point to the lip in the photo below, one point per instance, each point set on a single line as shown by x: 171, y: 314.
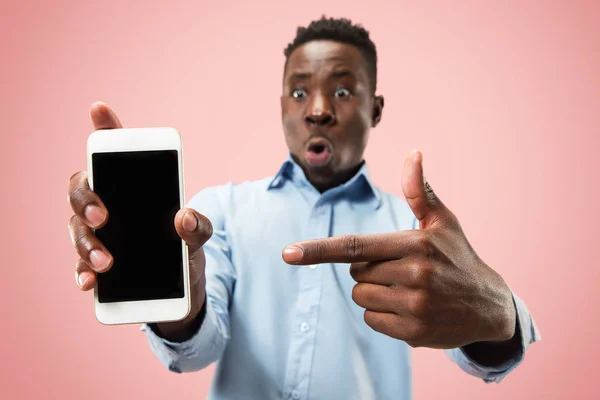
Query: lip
x: 321, y: 158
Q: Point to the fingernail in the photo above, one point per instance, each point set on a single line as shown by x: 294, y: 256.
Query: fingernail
x: 99, y: 259
x: 190, y: 223
x: 83, y: 278
x: 293, y: 253
x: 94, y: 214
x: 416, y: 155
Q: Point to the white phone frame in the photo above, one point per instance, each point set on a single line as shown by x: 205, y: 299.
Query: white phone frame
x: 141, y: 139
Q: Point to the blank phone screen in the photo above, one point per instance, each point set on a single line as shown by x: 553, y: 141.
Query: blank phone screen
x: 141, y: 192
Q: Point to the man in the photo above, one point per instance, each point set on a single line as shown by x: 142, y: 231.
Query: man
x: 314, y: 283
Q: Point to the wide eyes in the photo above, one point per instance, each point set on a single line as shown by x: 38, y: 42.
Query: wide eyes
x: 340, y: 92
x: 298, y: 93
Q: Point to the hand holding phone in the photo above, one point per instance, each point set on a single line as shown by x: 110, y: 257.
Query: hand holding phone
x: 133, y: 291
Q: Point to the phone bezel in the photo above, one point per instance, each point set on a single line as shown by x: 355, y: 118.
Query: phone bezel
x: 141, y: 139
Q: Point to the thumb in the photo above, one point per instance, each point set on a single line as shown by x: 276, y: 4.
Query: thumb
x: 424, y: 203
x: 194, y: 228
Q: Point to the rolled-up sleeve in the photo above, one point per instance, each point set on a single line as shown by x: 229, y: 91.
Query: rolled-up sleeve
x: 207, y: 345
x: 529, y: 335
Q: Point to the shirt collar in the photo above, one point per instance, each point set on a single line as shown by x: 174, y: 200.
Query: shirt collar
x: 361, y: 181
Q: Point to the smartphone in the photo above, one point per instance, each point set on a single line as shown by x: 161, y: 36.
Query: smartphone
x: 138, y: 174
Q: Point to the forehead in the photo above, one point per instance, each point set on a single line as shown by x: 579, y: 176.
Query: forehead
x: 326, y: 55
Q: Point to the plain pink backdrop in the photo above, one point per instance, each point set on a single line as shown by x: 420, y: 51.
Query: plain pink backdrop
x: 503, y: 100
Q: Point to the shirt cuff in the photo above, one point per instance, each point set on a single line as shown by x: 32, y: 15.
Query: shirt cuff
x: 193, y: 354
x: 529, y: 335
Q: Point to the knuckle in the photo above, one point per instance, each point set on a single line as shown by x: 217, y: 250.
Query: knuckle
x: 77, y: 176
x: 354, y: 247
x: 356, y: 271
x: 371, y: 319
x: 79, y: 236
x: 353, y: 272
x: 360, y: 295
x: 74, y: 227
x: 423, y: 275
x: 81, y: 241
x: 424, y: 238
x: 74, y: 222
x: 425, y: 242
x: 320, y: 251
x: 356, y: 294
x: 418, y: 305
x: 78, y: 196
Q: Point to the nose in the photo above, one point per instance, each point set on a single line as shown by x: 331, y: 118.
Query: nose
x: 319, y: 112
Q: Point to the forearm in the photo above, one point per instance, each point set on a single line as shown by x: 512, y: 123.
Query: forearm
x: 199, y: 339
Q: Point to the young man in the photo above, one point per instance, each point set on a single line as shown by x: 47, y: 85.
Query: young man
x: 314, y: 283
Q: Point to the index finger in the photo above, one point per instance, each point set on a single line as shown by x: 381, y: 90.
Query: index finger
x: 351, y: 248
x: 84, y: 202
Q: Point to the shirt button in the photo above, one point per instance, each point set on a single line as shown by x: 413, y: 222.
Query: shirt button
x: 295, y: 395
x: 304, y: 327
x: 312, y: 266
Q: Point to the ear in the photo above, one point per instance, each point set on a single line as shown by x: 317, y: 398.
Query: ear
x: 377, y: 111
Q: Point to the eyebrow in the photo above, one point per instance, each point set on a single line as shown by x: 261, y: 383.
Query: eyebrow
x: 341, y: 74
x: 300, y: 76
x: 335, y: 74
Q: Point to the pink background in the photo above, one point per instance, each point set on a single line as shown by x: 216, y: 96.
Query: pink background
x: 503, y: 100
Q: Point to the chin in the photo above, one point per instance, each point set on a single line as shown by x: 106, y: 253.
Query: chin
x: 325, y: 169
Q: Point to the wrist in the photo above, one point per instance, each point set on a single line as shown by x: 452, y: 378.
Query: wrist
x: 497, y: 312
x: 497, y: 352
x: 507, y: 321
x: 185, y: 329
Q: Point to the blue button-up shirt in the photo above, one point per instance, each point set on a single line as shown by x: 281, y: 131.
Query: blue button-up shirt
x: 279, y: 331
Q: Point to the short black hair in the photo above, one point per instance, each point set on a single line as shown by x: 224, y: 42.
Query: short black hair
x: 338, y: 30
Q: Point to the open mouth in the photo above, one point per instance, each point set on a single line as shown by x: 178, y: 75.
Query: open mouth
x: 318, y: 152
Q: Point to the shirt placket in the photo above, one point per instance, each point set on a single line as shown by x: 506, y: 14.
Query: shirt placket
x: 302, y: 343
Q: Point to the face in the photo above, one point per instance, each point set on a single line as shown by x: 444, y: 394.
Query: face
x: 328, y: 108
